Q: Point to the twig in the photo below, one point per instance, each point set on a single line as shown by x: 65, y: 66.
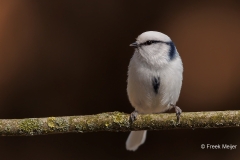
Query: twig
x: 117, y: 122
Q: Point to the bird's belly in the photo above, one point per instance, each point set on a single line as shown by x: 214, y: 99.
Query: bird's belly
x: 143, y: 98
x: 150, y: 106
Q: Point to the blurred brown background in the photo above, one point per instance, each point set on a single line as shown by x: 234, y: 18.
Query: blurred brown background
x: 70, y: 57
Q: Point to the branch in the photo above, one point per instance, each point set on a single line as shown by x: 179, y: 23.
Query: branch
x: 116, y: 122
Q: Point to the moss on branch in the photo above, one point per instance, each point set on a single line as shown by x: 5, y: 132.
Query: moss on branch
x: 117, y: 122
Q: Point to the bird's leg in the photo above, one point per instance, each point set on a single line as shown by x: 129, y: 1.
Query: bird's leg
x: 178, y: 111
x: 133, y: 116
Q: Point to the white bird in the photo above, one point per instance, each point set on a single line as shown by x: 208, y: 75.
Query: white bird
x: 154, y: 79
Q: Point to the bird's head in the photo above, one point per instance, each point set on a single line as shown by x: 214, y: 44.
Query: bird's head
x: 155, y: 48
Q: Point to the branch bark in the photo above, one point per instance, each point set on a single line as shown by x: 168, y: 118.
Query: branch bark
x: 117, y: 122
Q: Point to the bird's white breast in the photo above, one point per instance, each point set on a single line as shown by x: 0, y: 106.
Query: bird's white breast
x: 140, y: 89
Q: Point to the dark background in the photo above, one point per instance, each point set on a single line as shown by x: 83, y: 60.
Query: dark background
x: 71, y: 57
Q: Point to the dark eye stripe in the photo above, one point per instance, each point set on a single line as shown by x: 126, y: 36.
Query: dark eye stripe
x: 149, y: 42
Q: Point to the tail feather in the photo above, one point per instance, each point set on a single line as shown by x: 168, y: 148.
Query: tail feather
x: 135, y: 139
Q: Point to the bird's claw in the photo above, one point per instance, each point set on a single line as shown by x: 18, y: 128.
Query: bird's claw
x: 178, y: 112
x: 133, y: 116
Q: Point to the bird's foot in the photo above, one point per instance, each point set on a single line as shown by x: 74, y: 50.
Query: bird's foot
x: 133, y: 116
x: 178, y: 111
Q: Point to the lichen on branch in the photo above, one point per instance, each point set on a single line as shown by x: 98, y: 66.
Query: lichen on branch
x: 117, y: 122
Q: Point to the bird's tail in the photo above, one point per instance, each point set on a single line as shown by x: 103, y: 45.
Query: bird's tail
x: 135, y: 139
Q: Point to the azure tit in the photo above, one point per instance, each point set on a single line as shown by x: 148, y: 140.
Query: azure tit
x: 154, y: 79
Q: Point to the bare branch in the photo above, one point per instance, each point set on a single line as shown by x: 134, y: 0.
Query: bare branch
x: 117, y: 122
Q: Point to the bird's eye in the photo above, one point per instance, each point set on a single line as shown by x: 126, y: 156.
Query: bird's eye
x: 149, y: 42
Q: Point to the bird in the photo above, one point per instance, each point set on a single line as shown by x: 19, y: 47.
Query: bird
x: 154, y: 82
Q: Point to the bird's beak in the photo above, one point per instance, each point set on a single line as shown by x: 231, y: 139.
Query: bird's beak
x: 135, y: 45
